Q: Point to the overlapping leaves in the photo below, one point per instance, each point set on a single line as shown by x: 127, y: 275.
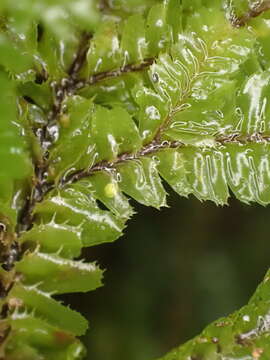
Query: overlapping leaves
x: 197, y: 117
x: 242, y: 335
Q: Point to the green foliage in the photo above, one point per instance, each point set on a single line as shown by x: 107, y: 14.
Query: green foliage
x: 98, y: 104
x: 242, y: 335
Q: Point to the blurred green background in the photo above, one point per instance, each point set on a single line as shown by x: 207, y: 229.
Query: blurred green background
x: 172, y: 273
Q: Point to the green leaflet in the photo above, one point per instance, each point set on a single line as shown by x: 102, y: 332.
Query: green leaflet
x: 15, y: 165
x: 56, y: 55
x: 59, y: 15
x: 44, y: 306
x: 55, y: 238
x: 140, y: 180
x: 105, y: 187
x: 156, y: 29
x: 12, y: 146
x: 252, y: 104
x: 114, y: 133
x: 74, y: 147
x: 9, y: 57
x: 57, y: 275
x: 37, y: 339
x: 262, y: 29
x: 208, y: 173
x: 114, y: 92
x: 115, y: 46
x: 39, y: 93
x: 134, y: 48
x: 174, y: 18
x: 104, y: 51
x: 154, y: 111
x: 242, y: 335
x: 77, y: 207
x: 98, y: 104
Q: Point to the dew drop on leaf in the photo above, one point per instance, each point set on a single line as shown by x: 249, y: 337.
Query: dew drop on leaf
x: 155, y: 77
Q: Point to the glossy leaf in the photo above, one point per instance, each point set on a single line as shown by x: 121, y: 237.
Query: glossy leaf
x: 106, y: 189
x: 76, y: 206
x: 134, y: 47
x: 58, y: 15
x: 31, y: 299
x: 57, y: 275
x: 98, y: 104
x: 35, y: 333
x: 114, y: 133
x: 156, y: 33
x: 242, y: 335
x: 14, y: 161
x: 104, y: 53
x: 54, y: 238
x: 116, y: 46
x: 140, y: 180
x: 73, y: 147
x: 154, y: 111
x: 115, y: 91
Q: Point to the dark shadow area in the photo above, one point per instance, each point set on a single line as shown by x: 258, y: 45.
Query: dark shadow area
x: 172, y: 273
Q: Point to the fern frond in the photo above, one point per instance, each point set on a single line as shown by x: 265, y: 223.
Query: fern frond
x: 242, y: 335
x: 163, y: 94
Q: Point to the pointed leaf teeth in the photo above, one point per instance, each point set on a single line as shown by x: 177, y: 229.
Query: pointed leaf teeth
x: 244, y: 333
x: 77, y: 204
x: 58, y: 275
x: 54, y: 238
x: 44, y: 340
x: 44, y: 306
x: 209, y: 173
x: 140, y: 180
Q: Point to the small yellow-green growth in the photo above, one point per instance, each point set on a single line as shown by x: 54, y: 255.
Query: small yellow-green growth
x: 111, y: 190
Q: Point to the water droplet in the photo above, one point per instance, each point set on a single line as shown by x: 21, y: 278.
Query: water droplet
x: 156, y: 159
x: 53, y: 84
x: 155, y: 78
x: 22, y: 36
x: 65, y: 82
x: 246, y: 318
x: 2, y: 227
x: 60, y: 94
x: 64, y: 108
x: 165, y: 143
x: 146, y: 133
x: 159, y: 23
x: 53, y: 131
x: 118, y: 177
x: 152, y: 112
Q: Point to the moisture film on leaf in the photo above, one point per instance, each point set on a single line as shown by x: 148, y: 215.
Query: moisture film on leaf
x: 107, y: 103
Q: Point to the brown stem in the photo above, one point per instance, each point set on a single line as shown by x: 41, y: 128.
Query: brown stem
x: 151, y: 148
x: 80, y: 57
x: 40, y: 186
x: 67, y: 86
x: 154, y: 147
x: 252, y: 13
x: 105, y: 75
